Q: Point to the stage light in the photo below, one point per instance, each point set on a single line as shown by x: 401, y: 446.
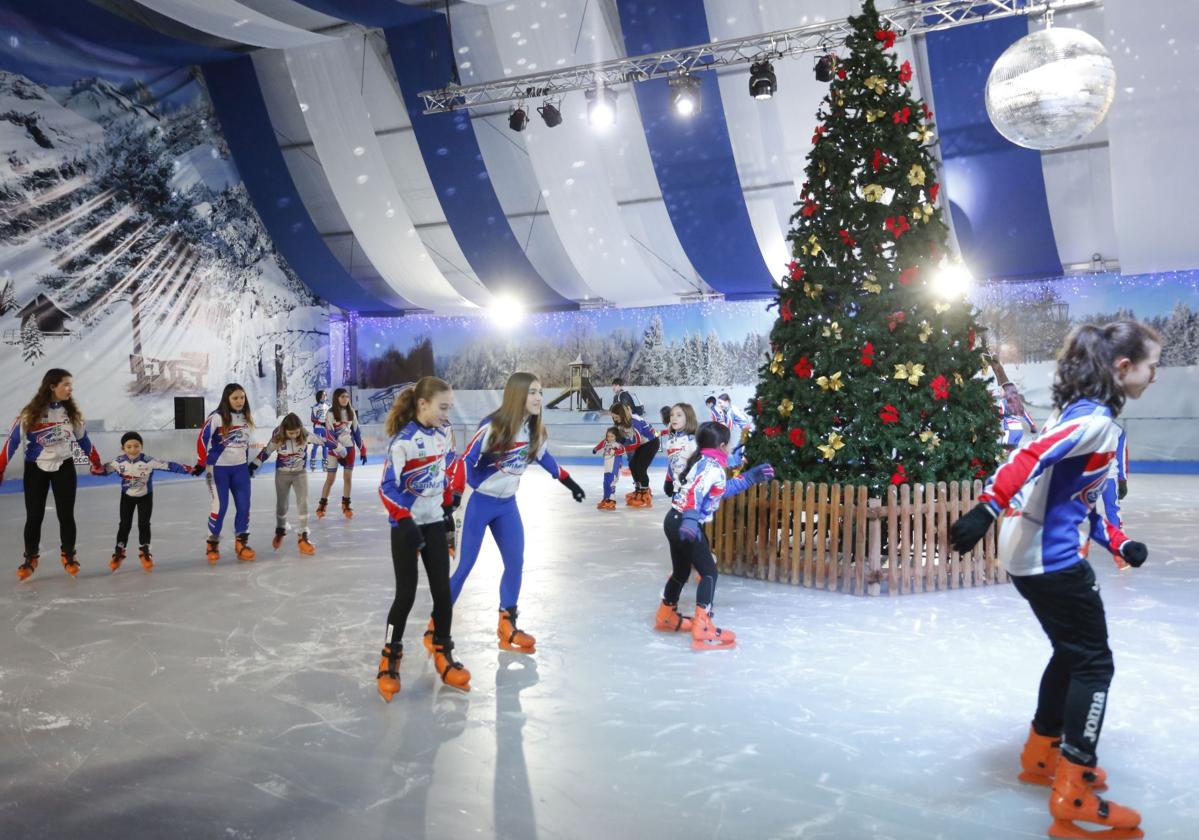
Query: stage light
x: 762, y: 81
x: 826, y: 65
x: 550, y: 113
x: 685, y: 98
x: 952, y: 280
x: 506, y: 311
x: 518, y: 119
x: 601, y: 108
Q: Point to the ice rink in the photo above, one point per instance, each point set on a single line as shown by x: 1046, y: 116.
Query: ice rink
x: 238, y: 701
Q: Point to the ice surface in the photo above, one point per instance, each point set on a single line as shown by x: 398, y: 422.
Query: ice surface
x: 239, y: 701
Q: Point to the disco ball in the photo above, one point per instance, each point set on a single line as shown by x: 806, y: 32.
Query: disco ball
x: 1050, y: 88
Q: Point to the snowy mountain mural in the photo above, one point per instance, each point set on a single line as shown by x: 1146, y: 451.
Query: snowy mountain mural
x: 131, y: 255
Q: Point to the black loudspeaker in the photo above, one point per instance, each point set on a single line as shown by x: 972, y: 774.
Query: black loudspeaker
x: 189, y: 412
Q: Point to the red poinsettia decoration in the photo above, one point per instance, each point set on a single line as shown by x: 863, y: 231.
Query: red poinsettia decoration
x: 932, y: 193
x: 846, y: 238
x: 981, y: 471
x: 898, y: 225
x: 841, y: 74
x: 868, y: 354
x: 879, y: 161
x: 803, y: 368
x: 795, y: 270
x: 900, y: 476
x: 772, y: 431
x: 798, y: 438
x: 809, y: 208
x: 905, y: 72
x: 940, y: 387
x: 887, y: 36
x: 785, y: 310
x: 895, y: 319
x: 902, y: 116
x: 909, y: 274
x: 820, y: 130
x: 928, y: 115
x: 889, y: 414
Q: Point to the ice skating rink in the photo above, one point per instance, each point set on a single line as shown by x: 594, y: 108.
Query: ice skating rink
x: 239, y: 701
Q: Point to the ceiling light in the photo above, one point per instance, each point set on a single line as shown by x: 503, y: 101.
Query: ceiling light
x: 685, y: 98
x: 601, y: 108
x: 762, y: 81
x: 518, y: 119
x: 550, y: 113
x: 826, y: 65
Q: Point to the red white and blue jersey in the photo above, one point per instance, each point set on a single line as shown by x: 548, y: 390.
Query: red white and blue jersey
x: 137, y: 474
x: 319, y: 411
x: 416, y: 474
x: 706, y: 486
x: 498, y: 473
x: 345, y: 433
x: 1106, y: 520
x: 639, y: 432
x: 613, y: 450
x: 218, y: 445
x: 678, y: 446
x: 1013, y: 424
x: 718, y: 416
x: 1051, y: 485
x: 49, y: 441
x: 293, y: 451
x: 738, y: 422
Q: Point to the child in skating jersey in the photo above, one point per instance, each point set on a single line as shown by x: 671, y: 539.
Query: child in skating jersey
x: 495, y: 459
x: 136, y: 470
x: 703, y: 487
x: 714, y: 412
x: 641, y: 443
x: 1013, y: 416
x: 1049, y: 486
x: 50, y: 424
x: 679, y: 443
x: 613, y: 461
x: 223, y: 446
x: 419, y: 500
x: 341, y: 430
x: 317, y: 451
x: 741, y: 426
x: 291, y: 441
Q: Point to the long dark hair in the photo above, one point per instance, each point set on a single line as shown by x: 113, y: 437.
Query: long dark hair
x: 336, y: 409
x: 508, y: 418
x: 1086, y: 365
x: 403, y: 409
x: 623, y: 415
x: 37, y: 406
x: 709, y: 436
x: 290, y: 423
x: 226, y: 411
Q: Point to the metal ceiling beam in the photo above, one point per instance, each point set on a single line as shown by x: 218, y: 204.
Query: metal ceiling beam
x: 909, y: 19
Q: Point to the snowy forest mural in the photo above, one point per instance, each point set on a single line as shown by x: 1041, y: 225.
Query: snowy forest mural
x: 130, y: 253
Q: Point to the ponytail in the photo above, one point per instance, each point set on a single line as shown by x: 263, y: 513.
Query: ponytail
x: 1086, y: 365
x: 709, y: 436
x: 403, y: 410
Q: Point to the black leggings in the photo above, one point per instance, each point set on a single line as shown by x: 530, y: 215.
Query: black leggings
x: 38, y: 483
x: 144, y: 505
x: 685, y: 556
x: 1074, y: 687
x: 640, y: 460
x: 436, y: 557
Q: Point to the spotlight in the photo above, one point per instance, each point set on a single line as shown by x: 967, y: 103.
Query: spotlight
x: 686, y: 95
x: 518, y: 119
x: 601, y: 108
x: 762, y: 81
x: 506, y: 311
x: 826, y: 65
x: 952, y: 280
x: 550, y: 113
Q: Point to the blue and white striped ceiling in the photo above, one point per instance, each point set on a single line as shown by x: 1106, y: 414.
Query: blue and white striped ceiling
x: 380, y: 208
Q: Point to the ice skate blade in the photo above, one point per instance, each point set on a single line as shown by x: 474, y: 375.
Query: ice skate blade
x: 696, y: 644
x: 1068, y: 829
x: 387, y: 695
x: 461, y: 689
x: 516, y: 648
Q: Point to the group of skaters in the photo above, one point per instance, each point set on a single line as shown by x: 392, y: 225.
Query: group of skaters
x: 1049, y: 485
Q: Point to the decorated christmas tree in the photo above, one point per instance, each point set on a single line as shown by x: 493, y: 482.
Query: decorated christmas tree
x: 877, y: 373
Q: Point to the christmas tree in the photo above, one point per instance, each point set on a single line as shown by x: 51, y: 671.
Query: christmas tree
x: 876, y: 369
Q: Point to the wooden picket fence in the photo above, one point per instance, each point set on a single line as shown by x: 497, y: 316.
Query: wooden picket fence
x: 836, y: 537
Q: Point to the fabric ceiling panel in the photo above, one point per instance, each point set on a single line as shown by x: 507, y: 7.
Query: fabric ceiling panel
x: 996, y: 190
x: 292, y: 12
x: 327, y: 88
x: 1152, y: 129
x: 381, y: 13
x: 693, y: 158
x: 235, y: 22
x: 245, y: 124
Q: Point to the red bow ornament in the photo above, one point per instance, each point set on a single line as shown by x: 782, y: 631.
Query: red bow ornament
x: 887, y: 36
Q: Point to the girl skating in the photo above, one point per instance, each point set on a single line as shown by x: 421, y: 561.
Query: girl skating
x: 291, y: 440
x: 679, y: 443
x: 613, y: 452
x: 341, y: 431
x: 224, y: 449
x: 136, y: 470
x: 641, y: 444
x: 1050, y: 484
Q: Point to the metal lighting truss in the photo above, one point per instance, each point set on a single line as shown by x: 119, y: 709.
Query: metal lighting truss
x: 912, y: 18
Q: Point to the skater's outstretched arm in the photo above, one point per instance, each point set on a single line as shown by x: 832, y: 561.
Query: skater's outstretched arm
x: 10, y: 446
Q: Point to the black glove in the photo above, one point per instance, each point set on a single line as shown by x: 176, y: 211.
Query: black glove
x: 453, y: 505
x: 253, y: 468
x: 198, y: 469
x: 447, y: 518
x: 668, y: 486
x: 1136, y: 553
x: 411, y: 532
x: 971, y: 528
x: 571, y: 485
x: 1121, y: 489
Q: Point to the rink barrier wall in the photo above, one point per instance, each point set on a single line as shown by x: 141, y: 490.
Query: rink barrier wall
x: 836, y: 537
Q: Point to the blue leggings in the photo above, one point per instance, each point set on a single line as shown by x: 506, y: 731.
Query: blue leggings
x: 222, y: 480
x: 610, y: 477
x: 503, y: 517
